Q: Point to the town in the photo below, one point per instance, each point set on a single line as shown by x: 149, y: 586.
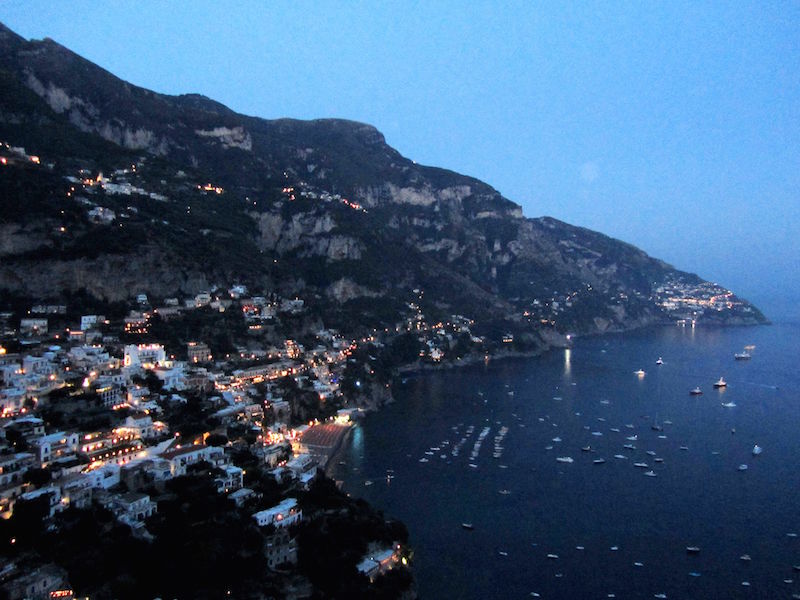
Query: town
x: 93, y: 417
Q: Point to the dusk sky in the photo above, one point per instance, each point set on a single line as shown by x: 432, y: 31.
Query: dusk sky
x: 673, y: 126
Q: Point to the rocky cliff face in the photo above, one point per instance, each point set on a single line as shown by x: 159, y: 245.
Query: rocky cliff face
x: 324, y: 206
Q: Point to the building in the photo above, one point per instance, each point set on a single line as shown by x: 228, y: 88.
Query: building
x: 33, y: 326
x: 43, y: 583
x: 180, y: 458
x: 280, y: 548
x: 146, y: 356
x: 198, y: 352
x: 133, y: 507
x: 281, y: 515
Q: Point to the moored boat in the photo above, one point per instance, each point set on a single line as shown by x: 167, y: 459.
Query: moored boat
x: 695, y: 392
x: 721, y: 383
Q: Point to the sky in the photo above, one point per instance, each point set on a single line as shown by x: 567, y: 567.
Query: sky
x: 673, y: 126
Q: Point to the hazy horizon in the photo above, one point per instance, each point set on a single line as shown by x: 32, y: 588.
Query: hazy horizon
x: 672, y: 127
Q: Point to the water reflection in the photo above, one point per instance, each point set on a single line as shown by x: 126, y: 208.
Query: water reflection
x: 567, y: 361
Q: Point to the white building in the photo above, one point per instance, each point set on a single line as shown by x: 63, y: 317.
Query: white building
x: 282, y: 515
x: 144, y: 355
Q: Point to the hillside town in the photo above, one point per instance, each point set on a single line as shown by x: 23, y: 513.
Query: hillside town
x: 91, y: 417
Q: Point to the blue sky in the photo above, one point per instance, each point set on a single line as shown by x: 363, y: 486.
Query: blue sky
x: 673, y: 126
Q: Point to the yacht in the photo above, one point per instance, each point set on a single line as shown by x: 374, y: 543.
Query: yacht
x: 468, y: 526
x: 659, y: 361
x: 640, y: 372
x: 745, y: 355
x: 695, y: 392
x: 757, y: 450
x: 742, y: 467
x: 692, y: 550
x: 721, y: 383
x: 565, y: 459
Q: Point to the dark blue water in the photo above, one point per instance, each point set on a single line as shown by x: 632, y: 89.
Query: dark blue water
x: 698, y: 497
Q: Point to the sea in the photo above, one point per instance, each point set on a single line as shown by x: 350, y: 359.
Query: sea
x: 549, y: 528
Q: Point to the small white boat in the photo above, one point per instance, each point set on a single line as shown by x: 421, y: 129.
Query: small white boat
x: 721, y: 383
x: 599, y: 461
x: 640, y: 372
x: 632, y: 438
x: 757, y: 450
x: 659, y: 361
x: 641, y: 465
x: 565, y: 459
x: 468, y: 526
x: 692, y: 550
x: 742, y: 355
x: 695, y: 392
x: 552, y: 556
x: 730, y: 405
x: 650, y: 474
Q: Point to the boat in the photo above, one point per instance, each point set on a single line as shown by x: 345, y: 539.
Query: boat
x: 640, y: 372
x: 741, y: 467
x: 632, y: 438
x: 468, y: 526
x: 641, y: 465
x: 695, y: 392
x: 692, y: 550
x: 750, y: 347
x: 730, y: 405
x: 650, y: 474
x: 586, y: 449
x: 599, y: 461
x: 721, y: 383
x: 745, y: 557
x: 659, y: 460
x: 757, y: 450
x: 629, y: 447
x: 552, y: 556
x: 502, y: 553
x: 565, y: 459
x: 742, y: 355
x: 659, y: 361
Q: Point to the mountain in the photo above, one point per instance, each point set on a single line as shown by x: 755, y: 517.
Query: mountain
x: 111, y: 190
